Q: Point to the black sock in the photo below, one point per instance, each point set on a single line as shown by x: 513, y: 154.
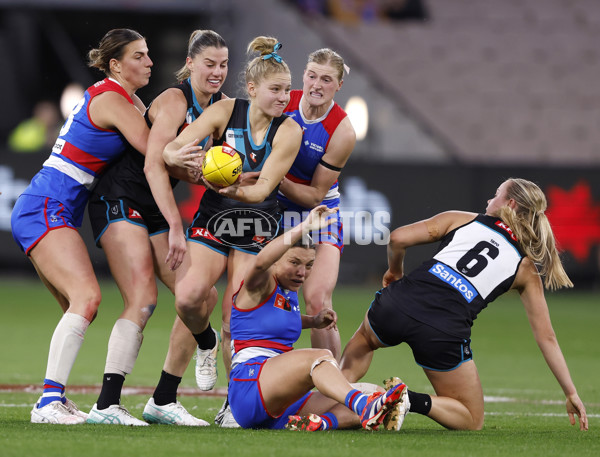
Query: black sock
x: 207, y: 339
x: 419, y: 403
x: 166, y: 389
x: 112, y: 384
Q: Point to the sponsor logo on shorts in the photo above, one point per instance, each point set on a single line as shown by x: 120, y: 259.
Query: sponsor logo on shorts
x: 203, y: 233
x: 114, y: 209
x: 454, y: 279
x: 466, y: 351
x: 133, y: 214
x: 259, y: 239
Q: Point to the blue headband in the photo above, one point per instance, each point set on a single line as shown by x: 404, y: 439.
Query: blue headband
x: 274, y: 54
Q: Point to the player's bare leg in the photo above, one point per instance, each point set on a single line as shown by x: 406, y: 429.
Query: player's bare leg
x: 236, y: 270
x: 63, y: 264
x: 318, y: 291
x: 358, y: 353
x: 163, y: 407
x: 459, y: 402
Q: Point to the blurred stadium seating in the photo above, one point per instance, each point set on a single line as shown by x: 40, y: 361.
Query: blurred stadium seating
x: 511, y: 81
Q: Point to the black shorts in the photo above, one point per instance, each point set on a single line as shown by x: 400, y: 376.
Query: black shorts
x: 103, y: 211
x: 223, y: 224
x: 432, y: 348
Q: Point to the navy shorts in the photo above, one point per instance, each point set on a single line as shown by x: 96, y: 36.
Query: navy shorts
x: 103, y: 212
x: 33, y: 217
x: 431, y: 348
x: 245, y: 398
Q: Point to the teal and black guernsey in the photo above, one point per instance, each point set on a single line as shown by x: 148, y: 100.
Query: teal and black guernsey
x: 238, y: 135
x: 475, y: 264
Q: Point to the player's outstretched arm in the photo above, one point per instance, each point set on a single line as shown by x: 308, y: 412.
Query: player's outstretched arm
x: 531, y: 289
x: 316, y: 219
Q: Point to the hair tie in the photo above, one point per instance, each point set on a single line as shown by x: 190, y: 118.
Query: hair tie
x: 347, y: 68
x: 274, y: 54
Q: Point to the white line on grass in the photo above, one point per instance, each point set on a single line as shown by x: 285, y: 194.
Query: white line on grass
x: 492, y: 399
x: 512, y: 413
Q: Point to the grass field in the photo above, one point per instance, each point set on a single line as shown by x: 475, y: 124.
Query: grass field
x: 525, y: 413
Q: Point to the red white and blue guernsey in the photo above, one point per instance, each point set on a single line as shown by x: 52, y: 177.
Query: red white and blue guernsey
x: 258, y: 334
x: 268, y: 329
x: 58, y: 193
x: 81, y: 152
x: 315, y: 140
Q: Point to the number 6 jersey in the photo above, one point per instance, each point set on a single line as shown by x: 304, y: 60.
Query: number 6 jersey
x: 475, y: 263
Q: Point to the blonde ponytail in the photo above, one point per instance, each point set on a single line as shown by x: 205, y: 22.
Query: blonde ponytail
x: 532, y: 228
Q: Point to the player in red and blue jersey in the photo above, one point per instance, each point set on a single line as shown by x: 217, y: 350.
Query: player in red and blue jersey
x: 46, y: 215
x: 270, y: 383
x: 328, y: 140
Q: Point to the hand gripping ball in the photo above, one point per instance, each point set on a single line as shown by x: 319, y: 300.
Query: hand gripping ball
x: 222, y: 165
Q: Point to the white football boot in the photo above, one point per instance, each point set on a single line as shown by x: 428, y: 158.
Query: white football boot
x: 206, y: 365
x: 114, y: 414
x: 74, y: 409
x: 170, y: 414
x: 54, y: 413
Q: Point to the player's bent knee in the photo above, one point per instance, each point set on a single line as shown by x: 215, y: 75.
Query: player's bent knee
x: 186, y: 308
x: 478, y: 423
x: 87, y: 308
x: 474, y: 422
x: 326, y: 358
x: 187, y: 303
x: 315, y: 306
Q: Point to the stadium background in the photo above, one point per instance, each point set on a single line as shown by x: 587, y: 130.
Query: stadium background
x: 461, y: 95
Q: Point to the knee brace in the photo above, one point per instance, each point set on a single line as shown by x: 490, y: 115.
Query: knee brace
x: 320, y: 360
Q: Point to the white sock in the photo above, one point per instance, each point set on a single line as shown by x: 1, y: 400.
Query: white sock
x: 64, y: 346
x: 123, y: 347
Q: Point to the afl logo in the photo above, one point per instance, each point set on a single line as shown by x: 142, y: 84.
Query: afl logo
x: 243, y: 227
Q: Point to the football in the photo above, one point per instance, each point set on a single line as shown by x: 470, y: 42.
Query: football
x: 222, y: 165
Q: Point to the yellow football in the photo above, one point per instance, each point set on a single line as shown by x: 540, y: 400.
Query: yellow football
x: 222, y: 166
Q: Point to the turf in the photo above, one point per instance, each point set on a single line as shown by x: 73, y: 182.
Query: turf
x: 525, y: 413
